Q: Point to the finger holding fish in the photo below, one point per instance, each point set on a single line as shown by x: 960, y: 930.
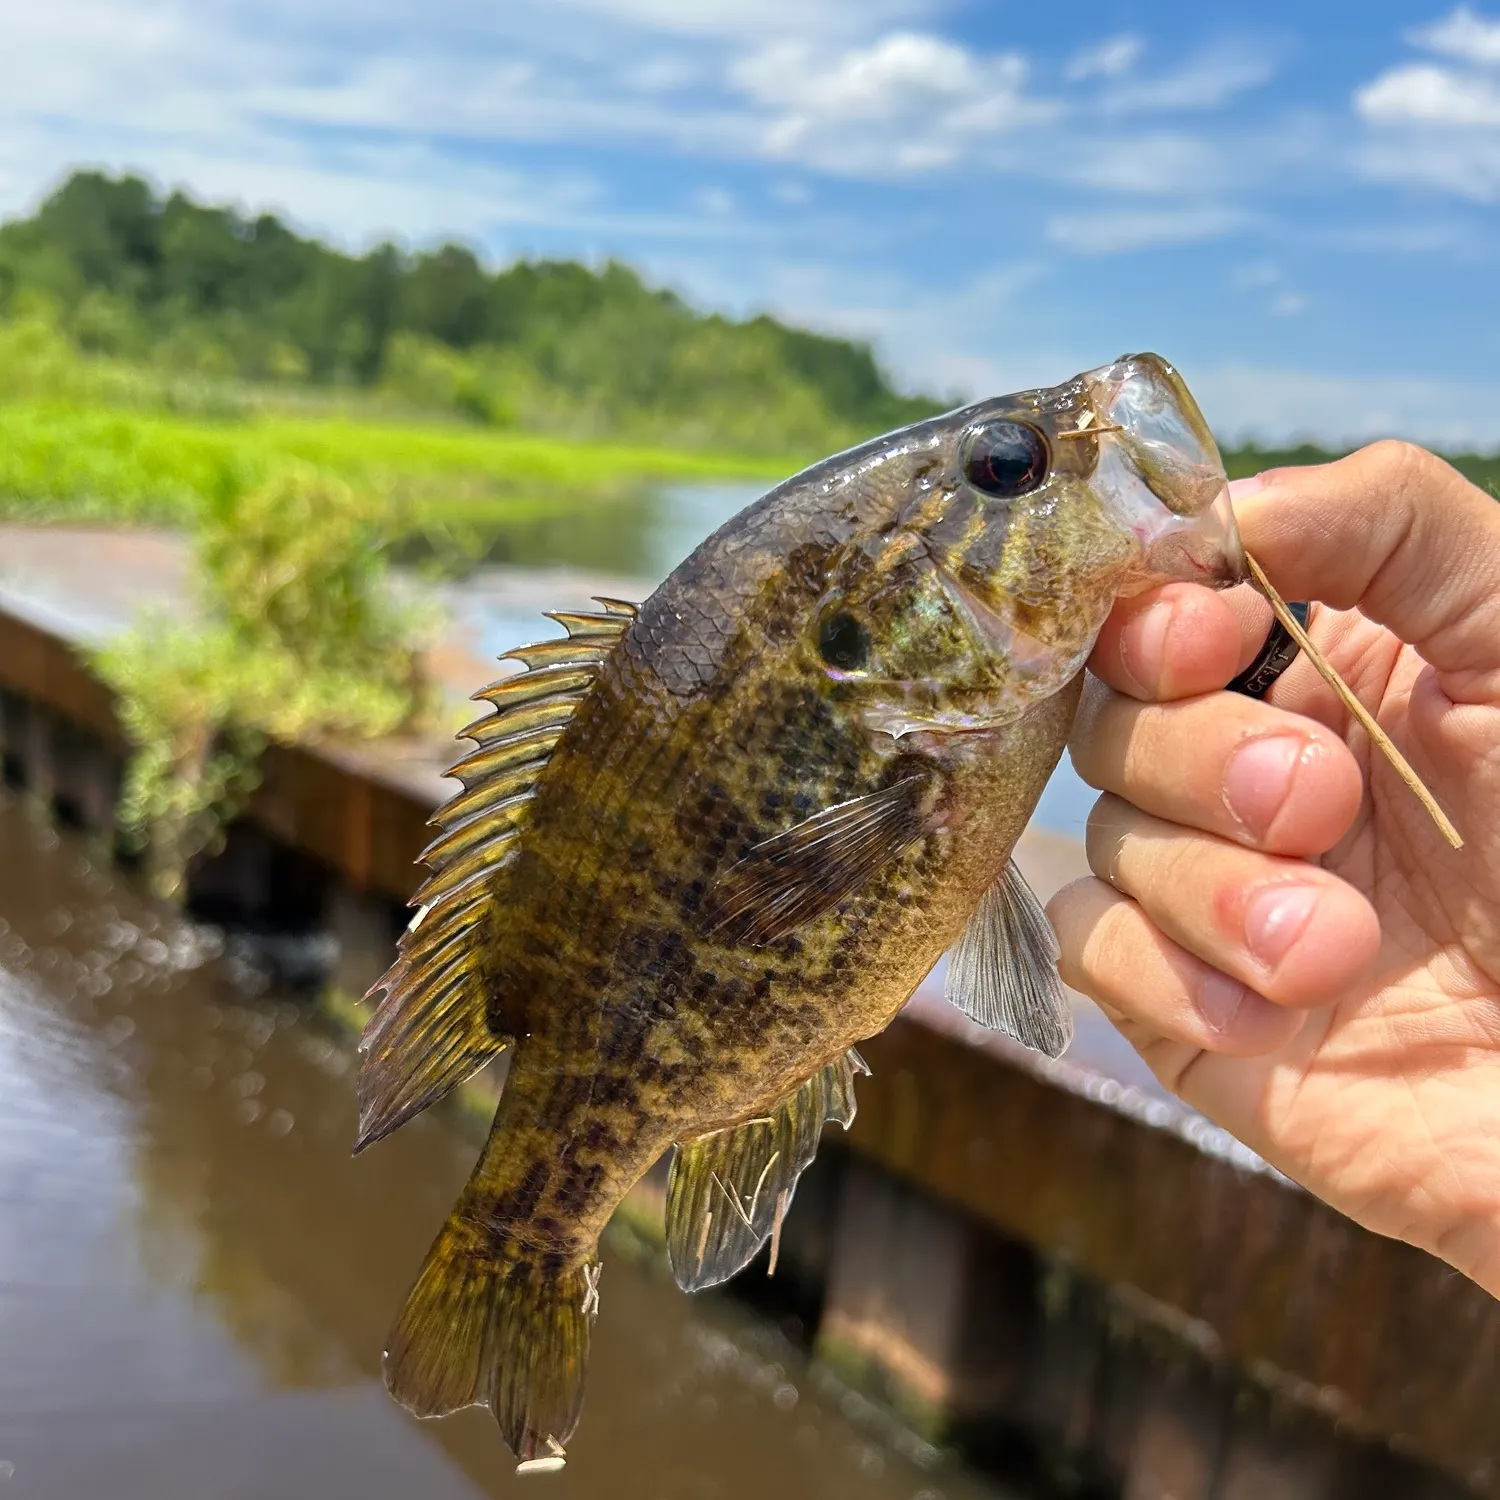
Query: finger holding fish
x: 1167, y: 1002
x: 1291, y: 931
x: 1222, y: 764
x: 1171, y: 642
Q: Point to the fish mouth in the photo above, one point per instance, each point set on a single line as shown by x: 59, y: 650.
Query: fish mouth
x: 1161, y: 467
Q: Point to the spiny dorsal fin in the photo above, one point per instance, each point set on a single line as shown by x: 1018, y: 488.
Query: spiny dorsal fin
x: 431, y: 1031
x: 479, y: 825
x: 1003, y: 973
x: 432, y: 1028
x: 729, y: 1191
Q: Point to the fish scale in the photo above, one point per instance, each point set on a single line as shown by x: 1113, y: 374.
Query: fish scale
x: 741, y: 825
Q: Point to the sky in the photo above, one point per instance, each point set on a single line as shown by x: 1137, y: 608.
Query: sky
x: 1299, y: 204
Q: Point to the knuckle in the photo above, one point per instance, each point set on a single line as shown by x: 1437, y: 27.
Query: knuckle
x: 1404, y: 466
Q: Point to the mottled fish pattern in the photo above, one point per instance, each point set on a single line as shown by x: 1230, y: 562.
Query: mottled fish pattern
x: 707, y: 845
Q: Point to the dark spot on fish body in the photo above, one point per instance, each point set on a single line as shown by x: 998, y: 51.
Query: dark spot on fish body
x: 522, y: 1201
x: 615, y: 1087
x: 572, y: 1196
x: 664, y: 1002
x: 570, y: 1089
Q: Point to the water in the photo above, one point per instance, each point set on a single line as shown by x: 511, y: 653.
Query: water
x: 576, y: 555
x: 195, y: 1276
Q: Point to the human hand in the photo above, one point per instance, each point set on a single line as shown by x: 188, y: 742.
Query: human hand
x: 1276, y: 925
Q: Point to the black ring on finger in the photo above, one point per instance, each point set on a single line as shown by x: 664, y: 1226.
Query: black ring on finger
x: 1278, y: 653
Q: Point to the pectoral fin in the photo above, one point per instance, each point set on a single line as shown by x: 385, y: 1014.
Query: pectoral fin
x: 805, y: 872
x: 1003, y: 973
x: 729, y: 1191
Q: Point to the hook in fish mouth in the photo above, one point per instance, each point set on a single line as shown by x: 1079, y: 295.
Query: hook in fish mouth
x: 1089, y: 426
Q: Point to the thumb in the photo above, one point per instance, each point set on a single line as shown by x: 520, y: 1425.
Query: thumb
x: 1398, y: 534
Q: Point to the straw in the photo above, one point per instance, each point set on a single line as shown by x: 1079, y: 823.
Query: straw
x: 1382, y: 740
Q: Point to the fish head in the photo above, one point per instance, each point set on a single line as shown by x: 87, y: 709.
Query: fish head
x: 1021, y: 520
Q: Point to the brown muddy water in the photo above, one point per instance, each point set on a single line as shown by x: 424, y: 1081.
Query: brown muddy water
x: 196, y: 1277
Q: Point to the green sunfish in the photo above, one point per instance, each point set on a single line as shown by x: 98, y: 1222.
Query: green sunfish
x: 708, y: 844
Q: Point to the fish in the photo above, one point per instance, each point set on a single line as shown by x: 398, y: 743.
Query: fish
x: 707, y: 844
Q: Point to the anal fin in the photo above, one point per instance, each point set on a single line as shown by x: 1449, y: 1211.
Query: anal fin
x: 1003, y: 972
x: 728, y: 1191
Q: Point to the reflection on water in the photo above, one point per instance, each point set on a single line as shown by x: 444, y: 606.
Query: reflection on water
x: 642, y: 533
x: 195, y: 1276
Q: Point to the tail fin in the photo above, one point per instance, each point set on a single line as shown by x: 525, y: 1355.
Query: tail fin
x: 493, y: 1323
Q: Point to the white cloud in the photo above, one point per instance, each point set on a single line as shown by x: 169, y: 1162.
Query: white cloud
x: 1159, y: 162
x: 736, y: 19
x: 1109, y: 59
x: 1112, y: 232
x: 1205, y: 83
x: 1405, y: 236
x: 1435, y: 125
x: 1429, y: 95
x: 1462, y: 34
x: 1258, y: 275
x: 1465, y: 164
x: 906, y: 103
x: 715, y: 201
x: 1282, y: 301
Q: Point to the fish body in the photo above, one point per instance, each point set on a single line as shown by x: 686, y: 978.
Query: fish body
x: 780, y: 790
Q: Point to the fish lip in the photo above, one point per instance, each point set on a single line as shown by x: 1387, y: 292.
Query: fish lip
x: 1164, y: 477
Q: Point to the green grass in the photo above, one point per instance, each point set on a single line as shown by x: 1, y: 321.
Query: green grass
x: 122, y: 465
x: 67, y: 462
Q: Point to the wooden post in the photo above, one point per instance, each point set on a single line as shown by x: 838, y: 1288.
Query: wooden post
x: 926, y: 1308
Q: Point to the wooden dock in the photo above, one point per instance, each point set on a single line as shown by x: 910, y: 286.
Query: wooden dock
x: 1054, y: 1267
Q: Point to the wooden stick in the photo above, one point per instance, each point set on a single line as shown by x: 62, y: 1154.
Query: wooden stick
x: 1382, y: 740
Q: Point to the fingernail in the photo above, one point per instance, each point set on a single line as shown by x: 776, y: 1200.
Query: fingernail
x: 1239, y: 488
x: 1141, y: 647
x: 1258, y: 780
x: 1219, y: 999
x: 1274, y: 920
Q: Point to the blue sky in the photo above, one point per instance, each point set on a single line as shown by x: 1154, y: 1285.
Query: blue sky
x: 1299, y: 204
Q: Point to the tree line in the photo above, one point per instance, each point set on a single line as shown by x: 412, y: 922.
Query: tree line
x: 189, y: 287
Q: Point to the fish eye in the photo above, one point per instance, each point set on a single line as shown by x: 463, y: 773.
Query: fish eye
x: 843, y: 642
x: 1007, y: 459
